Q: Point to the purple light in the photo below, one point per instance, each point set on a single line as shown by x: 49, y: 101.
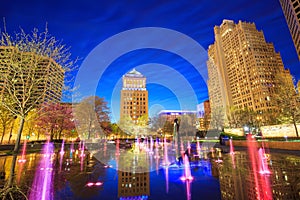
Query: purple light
x: 90, y: 184
x: 42, y: 185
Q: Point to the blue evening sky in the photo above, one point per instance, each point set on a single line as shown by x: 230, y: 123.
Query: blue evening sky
x: 173, y: 81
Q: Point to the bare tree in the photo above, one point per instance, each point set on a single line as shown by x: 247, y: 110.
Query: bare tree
x: 91, y: 116
x: 187, y: 125
x: 27, y: 74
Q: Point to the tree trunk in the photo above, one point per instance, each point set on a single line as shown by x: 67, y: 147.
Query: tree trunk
x: 295, y: 125
x: 3, y: 133
x: 10, y: 132
x: 38, y: 136
x: 59, y: 134
x: 51, y: 135
x: 15, y: 153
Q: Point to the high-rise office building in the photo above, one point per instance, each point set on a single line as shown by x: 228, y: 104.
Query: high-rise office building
x: 242, y: 68
x: 134, y: 96
x: 291, y: 10
x: 203, y: 115
x: 37, y: 79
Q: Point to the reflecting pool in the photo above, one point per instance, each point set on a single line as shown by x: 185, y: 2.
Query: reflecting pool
x: 155, y: 171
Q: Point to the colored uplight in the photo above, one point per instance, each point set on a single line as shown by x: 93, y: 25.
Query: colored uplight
x: 231, y: 147
x: 189, y: 148
x: 46, y: 169
x: 219, y: 161
x: 264, y: 169
x: 166, y: 156
x: 22, y: 159
x: 189, y: 178
x: 198, y: 148
x: 62, y: 148
x: 90, y: 184
x: 42, y: 186
x: 187, y: 170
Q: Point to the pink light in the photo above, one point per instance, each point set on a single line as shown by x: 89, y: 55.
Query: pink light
x: 252, y: 149
x: 187, y: 170
x: 42, y: 185
x: 264, y: 169
x: 181, y: 148
x: 189, y: 147
x: 183, y: 178
x: 231, y: 147
x: 98, y: 183
x: 167, y: 179
x: 89, y: 184
x: 166, y: 157
x: 219, y: 161
x: 198, y: 148
x: 62, y: 148
x: 232, y: 160
x: 22, y: 159
x: 151, y: 146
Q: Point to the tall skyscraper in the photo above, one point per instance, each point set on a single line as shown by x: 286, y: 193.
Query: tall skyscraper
x: 33, y: 75
x: 291, y: 10
x: 134, y: 96
x: 242, y: 68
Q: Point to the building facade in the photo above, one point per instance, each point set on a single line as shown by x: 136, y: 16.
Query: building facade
x: 34, y: 78
x: 203, y: 115
x: 291, y: 11
x: 171, y: 115
x: 134, y: 96
x: 242, y: 68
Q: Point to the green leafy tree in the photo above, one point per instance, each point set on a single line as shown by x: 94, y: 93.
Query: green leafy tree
x: 217, y: 118
x: 287, y: 100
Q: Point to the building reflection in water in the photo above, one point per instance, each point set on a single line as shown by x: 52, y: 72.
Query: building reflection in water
x: 237, y: 178
x: 133, y: 175
x: 133, y: 185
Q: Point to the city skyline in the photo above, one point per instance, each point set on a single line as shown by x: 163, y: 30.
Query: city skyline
x: 83, y: 26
